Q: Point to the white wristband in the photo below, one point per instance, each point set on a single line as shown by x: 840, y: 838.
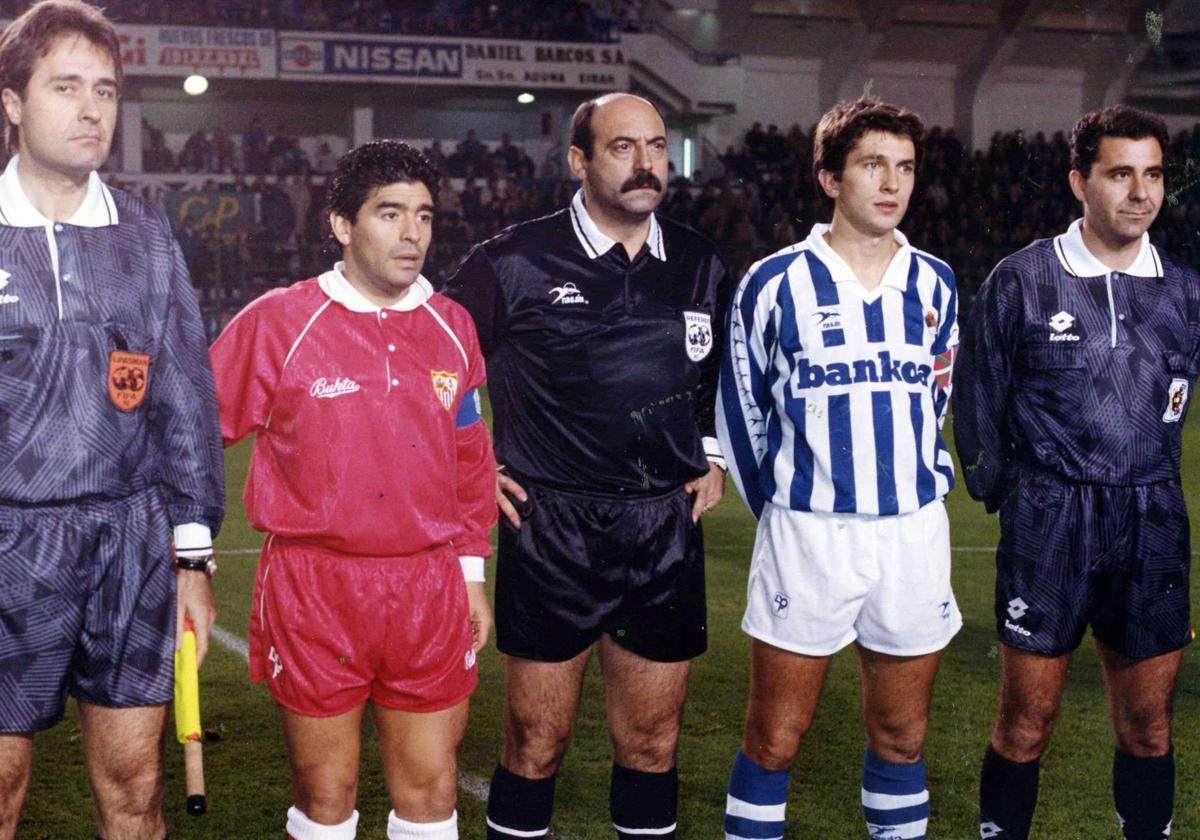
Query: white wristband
x: 193, y: 540
x: 472, y: 568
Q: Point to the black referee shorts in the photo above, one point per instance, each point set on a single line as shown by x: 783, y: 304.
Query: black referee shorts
x: 581, y: 565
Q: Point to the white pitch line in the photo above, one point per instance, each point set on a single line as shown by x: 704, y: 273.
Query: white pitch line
x: 231, y: 642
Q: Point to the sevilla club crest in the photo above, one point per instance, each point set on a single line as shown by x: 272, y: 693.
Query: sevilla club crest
x: 128, y: 376
x: 445, y: 386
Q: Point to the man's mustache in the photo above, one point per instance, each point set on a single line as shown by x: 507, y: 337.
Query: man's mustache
x: 643, y: 180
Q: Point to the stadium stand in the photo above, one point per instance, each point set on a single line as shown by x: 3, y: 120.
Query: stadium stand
x: 970, y: 207
x: 559, y: 21
x: 1009, y: 77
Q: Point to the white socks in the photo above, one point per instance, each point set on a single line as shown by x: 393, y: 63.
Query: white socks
x: 300, y: 827
x: 399, y: 829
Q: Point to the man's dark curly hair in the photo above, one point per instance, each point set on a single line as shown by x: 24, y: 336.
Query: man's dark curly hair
x: 370, y: 166
x: 1113, y: 121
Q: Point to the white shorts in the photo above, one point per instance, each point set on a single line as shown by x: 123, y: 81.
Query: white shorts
x: 819, y: 581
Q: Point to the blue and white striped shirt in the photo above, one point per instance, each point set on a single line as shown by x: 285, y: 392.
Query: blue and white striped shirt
x: 832, y: 396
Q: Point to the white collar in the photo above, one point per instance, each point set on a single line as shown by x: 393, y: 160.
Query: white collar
x: 16, y: 210
x: 1078, y: 261
x: 335, y: 284
x: 596, y: 243
x: 895, y: 275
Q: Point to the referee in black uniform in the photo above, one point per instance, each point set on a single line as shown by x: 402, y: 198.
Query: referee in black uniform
x: 600, y: 324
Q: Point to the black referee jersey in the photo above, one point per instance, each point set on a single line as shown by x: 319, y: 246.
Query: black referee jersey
x: 602, y: 371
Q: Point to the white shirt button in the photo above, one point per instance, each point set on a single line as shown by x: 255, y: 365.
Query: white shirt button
x: 1120, y: 317
x: 395, y: 381
x: 391, y: 348
x: 58, y: 228
x: 383, y: 315
x: 67, y: 277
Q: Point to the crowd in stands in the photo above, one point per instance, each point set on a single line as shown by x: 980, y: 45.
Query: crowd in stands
x: 969, y: 208
x: 561, y: 20
x: 256, y: 152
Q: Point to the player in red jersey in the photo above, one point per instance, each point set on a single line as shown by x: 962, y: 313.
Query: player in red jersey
x: 373, y: 477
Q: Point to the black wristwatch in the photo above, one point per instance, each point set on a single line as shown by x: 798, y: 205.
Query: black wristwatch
x: 206, y: 563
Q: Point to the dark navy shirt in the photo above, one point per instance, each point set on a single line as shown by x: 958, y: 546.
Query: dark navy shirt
x: 1071, y: 369
x: 602, y: 370
x: 78, y: 300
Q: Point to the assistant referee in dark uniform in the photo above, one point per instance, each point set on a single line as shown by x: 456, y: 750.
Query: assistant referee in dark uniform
x: 600, y: 324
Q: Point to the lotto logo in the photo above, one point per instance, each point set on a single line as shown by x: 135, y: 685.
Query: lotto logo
x: 1017, y: 608
x: 6, y: 298
x: 1062, y: 322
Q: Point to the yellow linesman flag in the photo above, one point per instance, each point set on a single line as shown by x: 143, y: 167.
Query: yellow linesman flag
x: 187, y: 690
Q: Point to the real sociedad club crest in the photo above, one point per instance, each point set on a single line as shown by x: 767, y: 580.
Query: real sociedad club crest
x: 698, y: 335
x: 445, y: 385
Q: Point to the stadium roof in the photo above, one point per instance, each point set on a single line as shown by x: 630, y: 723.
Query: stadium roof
x: 1155, y: 48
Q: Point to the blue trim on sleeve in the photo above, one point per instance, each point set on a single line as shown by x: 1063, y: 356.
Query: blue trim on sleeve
x: 468, y: 410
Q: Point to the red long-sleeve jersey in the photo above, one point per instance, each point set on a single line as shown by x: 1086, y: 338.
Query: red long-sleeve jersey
x: 368, y: 434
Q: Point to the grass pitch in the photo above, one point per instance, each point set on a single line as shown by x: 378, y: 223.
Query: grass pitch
x: 247, y: 768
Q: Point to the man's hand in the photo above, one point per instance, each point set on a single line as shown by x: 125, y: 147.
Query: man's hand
x: 194, y: 600
x: 481, y: 614
x: 504, y: 484
x: 708, y: 488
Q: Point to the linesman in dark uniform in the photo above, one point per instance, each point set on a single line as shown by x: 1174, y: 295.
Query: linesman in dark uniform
x: 109, y: 438
x: 1070, y: 395
x: 600, y: 324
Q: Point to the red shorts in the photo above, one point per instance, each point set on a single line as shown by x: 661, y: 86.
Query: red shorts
x: 328, y: 631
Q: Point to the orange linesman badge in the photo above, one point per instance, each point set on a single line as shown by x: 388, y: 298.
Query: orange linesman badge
x: 445, y: 386
x: 128, y: 375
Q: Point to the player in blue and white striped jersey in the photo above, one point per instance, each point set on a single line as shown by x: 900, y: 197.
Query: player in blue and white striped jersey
x: 833, y: 395
x: 833, y: 388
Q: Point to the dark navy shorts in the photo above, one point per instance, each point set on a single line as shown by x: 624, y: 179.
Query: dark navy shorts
x: 1077, y: 554
x: 580, y: 566
x: 87, y: 608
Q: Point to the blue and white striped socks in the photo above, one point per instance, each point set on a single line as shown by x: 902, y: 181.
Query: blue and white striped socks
x: 895, y: 802
x: 756, y: 801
